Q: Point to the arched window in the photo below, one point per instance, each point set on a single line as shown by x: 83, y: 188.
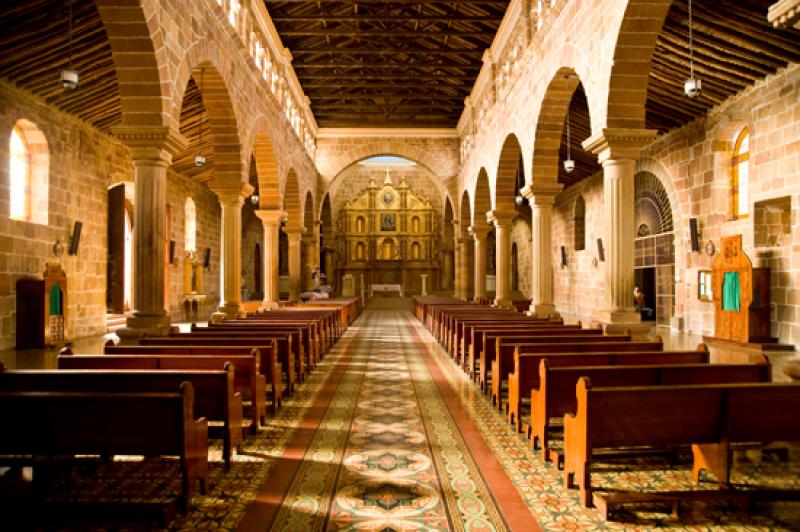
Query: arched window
x: 190, y: 213
x: 28, y: 173
x: 580, y: 224
x: 740, y: 178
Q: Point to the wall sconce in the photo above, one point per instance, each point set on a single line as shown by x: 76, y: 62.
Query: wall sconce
x: 254, y: 199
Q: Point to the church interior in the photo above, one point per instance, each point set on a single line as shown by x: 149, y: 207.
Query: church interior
x: 397, y: 265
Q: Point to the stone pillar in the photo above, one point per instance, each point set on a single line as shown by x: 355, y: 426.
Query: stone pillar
x: 271, y: 221
x: 295, y: 235
x: 456, y: 261
x: 447, y: 270
x: 464, y: 269
x: 502, y: 226
x: 310, y: 247
x: 152, y: 148
x: 479, y: 238
x: 231, y: 252
x: 617, y: 151
x: 424, y: 278
x: 541, y: 199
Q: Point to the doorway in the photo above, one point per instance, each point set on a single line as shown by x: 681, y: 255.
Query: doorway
x: 645, y: 279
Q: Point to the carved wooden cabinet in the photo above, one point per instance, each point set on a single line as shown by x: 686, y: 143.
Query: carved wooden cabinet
x: 41, y: 309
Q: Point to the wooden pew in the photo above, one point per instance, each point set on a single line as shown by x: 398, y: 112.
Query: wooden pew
x: 554, y: 396
x: 58, y: 424
x: 214, y: 395
x: 302, y: 335
x: 248, y: 380
x: 710, y: 417
x: 314, y: 334
x: 505, y: 351
x: 266, y: 370
x: 486, y: 340
x: 285, y: 352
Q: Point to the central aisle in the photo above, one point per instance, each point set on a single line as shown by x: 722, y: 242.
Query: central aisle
x: 387, y: 446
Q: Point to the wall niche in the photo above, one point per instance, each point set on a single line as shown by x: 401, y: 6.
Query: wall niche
x: 772, y: 222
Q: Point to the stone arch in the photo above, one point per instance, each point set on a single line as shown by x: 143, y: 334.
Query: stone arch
x: 437, y: 181
x: 654, y: 167
x: 640, y: 26
x: 550, y: 126
x: 220, y: 126
x: 140, y: 58
x: 308, y: 210
x: 269, y: 188
x: 652, y: 207
x: 482, y: 199
x: 506, y: 177
x: 332, y: 167
x: 466, y: 214
x: 291, y: 199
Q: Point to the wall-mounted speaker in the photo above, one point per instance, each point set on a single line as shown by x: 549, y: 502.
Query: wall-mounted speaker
x: 171, y: 251
x: 207, y: 260
x: 693, y: 234
x: 76, y: 237
x: 563, y: 256
x: 601, y: 253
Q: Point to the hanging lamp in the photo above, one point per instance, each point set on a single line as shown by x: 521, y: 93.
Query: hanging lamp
x: 200, y: 159
x: 692, y: 86
x: 69, y: 77
x: 569, y: 164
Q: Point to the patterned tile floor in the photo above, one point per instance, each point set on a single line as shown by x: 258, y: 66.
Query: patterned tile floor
x: 388, y: 434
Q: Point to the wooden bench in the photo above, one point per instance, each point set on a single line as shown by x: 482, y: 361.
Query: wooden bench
x: 267, y: 367
x: 310, y: 346
x: 283, y: 341
x: 247, y: 379
x: 458, y: 347
x: 506, y: 348
x: 554, y: 394
x: 58, y: 424
x: 214, y: 395
x: 710, y: 417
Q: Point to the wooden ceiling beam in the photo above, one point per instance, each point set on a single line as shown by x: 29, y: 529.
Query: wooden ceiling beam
x: 323, y: 32
x: 399, y: 66
x: 386, y: 108
x: 455, y: 17
x: 388, y: 51
x: 302, y: 76
x: 398, y: 86
x: 388, y: 96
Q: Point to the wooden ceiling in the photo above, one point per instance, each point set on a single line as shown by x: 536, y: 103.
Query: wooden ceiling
x: 392, y: 63
x: 34, y: 44
x: 734, y: 45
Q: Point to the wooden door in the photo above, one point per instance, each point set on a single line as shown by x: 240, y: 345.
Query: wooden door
x: 115, y: 280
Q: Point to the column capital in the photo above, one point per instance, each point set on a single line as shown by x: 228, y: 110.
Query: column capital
x: 270, y: 216
x: 233, y: 193
x: 500, y: 218
x: 476, y: 233
x: 294, y: 230
x: 151, y: 142
x: 543, y: 193
x: 619, y: 143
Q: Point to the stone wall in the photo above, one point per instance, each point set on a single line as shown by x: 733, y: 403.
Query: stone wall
x: 694, y: 163
x: 578, y: 287
x: 521, y: 236
x: 82, y: 160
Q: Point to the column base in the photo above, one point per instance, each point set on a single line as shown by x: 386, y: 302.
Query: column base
x: 503, y: 303
x: 543, y: 310
x: 269, y: 305
x: 138, y: 326
x: 226, y: 311
x: 621, y: 321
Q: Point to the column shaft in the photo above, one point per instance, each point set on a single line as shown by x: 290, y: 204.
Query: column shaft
x: 503, y: 237
x: 480, y: 264
x: 295, y: 236
x: 231, y: 255
x: 464, y: 277
x: 541, y: 258
x: 618, y: 202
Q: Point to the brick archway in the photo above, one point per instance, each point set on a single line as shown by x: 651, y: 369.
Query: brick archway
x: 140, y: 58
x: 482, y: 199
x: 639, y: 26
x: 550, y: 126
x: 506, y: 178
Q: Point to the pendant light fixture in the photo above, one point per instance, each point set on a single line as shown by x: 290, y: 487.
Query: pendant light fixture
x: 569, y: 164
x: 69, y: 77
x: 200, y: 159
x: 692, y: 86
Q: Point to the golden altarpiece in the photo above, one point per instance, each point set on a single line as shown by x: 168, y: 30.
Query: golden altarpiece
x: 390, y: 235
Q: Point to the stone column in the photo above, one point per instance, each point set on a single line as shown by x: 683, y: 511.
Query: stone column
x: 502, y: 226
x: 456, y: 261
x: 308, y: 249
x: 479, y: 238
x: 231, y: 252
x: 152, y: 148
x: 464, y: 269
x: 617, y: 151
x: 541, y: 199
x: 271, y: 221
x: 295, y: 235
x: 424, y: 278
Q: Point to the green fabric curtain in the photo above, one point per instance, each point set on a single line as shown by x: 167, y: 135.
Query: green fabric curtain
x: 731, y: 291
x: 55, y: 300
